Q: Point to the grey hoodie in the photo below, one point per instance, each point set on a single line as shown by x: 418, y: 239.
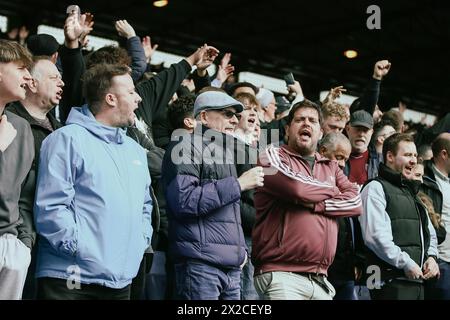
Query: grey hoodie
x: 15, y: 164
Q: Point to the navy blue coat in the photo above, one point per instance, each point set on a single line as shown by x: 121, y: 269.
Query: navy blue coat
x: 203, y: 197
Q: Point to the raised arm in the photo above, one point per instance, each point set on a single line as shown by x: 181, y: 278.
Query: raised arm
x: 72, y: 63
x: 334, y: 94
x: 149, y: 50
x: 157, y: 91
x: 225, y: 70
x: 134, y: 48
x: 369, y: 99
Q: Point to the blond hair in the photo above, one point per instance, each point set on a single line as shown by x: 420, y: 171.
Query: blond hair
x: 335, y: 109
x: 11, y: 51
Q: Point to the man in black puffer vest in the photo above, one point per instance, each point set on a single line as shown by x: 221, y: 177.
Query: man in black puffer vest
x: 396, y: 228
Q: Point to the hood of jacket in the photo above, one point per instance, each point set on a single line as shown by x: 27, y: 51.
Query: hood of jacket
x: 83, y: 117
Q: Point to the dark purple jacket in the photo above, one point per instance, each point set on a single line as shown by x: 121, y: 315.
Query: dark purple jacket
x: 203, y: 202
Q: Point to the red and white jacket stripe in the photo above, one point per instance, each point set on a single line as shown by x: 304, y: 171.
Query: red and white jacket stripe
x: 289, y: 236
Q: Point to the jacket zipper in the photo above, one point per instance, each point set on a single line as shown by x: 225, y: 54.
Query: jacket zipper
x: 326, y: 230
x: 239, y: 237
x: 422, y: 237
x: 238, y: 227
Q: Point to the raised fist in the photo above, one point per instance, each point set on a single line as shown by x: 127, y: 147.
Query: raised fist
x: 381, y: 69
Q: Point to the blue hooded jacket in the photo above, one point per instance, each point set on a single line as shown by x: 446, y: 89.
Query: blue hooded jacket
x: 93, y: 206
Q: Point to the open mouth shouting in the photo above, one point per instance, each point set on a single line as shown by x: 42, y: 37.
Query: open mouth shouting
x: 408, y: 170
x: 59, y: 94
x: 251, y: 122
x: 305, y: 134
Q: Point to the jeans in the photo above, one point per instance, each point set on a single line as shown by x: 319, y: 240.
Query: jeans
x: 156, y: 282
x: 439, y: 289
x: 345, y: 290
x: 248, y: 291
x: 199, y: 281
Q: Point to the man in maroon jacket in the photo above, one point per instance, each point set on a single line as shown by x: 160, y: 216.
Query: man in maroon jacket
x: 295, y: 234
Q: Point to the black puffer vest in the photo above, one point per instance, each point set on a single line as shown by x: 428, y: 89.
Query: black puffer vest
x: 407, y: 216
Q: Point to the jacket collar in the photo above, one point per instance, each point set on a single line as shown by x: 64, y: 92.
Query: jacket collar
x: 428, y: 170
x: 293, y: 153
x: 429, y: 178
x: 23, y: 112
x: 398, y: 179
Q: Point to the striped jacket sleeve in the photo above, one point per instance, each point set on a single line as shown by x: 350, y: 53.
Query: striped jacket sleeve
x: 292, y: 186
x: 346, y: 204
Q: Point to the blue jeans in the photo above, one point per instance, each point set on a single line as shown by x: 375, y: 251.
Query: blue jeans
x: 248, y: 291
x: 156, y: 279
x: 439, y: 289
x: 199, y: 281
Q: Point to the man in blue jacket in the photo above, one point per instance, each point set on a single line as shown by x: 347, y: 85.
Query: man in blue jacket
x: 93, y: 207
x: 202, y: 189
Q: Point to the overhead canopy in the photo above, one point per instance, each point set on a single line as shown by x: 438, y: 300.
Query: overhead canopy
x: 305, y: 37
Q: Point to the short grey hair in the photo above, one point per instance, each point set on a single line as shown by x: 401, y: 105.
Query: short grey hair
x: 332, y: 139
x: 35, y: 73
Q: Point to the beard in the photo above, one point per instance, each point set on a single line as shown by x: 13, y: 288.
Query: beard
x: 304, y: 149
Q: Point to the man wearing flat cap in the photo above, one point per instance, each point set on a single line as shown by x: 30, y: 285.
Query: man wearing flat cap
x: 202, y: 189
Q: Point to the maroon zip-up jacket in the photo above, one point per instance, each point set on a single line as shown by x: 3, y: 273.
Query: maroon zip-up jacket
x: 287, y: 235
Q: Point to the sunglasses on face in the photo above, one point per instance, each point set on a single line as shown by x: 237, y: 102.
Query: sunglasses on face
x: 229, y: 114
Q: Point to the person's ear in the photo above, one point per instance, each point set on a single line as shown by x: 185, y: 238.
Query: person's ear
x: 32, y: 85
x: 286, y: 132
x: 111, y: 99
x: 204, y: 117
x: 390, y: 157
x: 189, y: 123
x: 322, y: 150
x: 54, y: 57
x: 347, y: 129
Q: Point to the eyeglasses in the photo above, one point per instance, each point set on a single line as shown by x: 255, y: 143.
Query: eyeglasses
x: 229, y: 114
